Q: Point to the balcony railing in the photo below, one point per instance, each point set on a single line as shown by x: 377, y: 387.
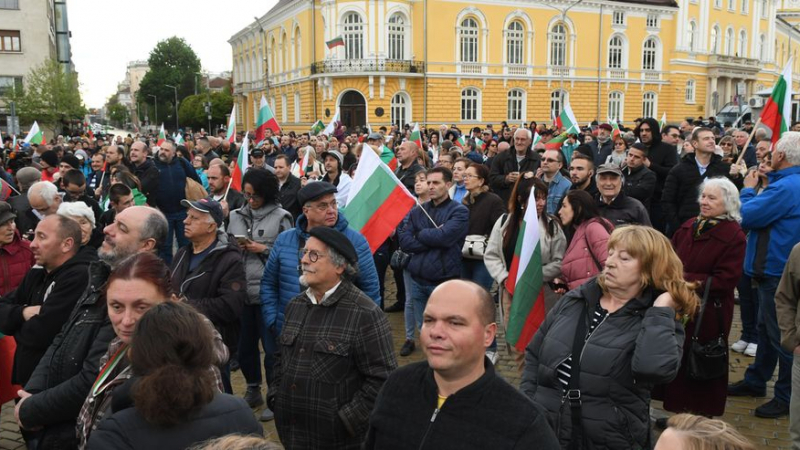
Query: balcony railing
x: 727, y: 60
x: 517, y: 69
x: 616, y: 73
x: 559, y: 71
x: 367, y: 65
x: 651, y: 75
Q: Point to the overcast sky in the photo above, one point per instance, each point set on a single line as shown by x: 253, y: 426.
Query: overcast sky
x: 106, y: 35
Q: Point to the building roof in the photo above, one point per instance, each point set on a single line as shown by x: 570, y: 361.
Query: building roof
x: 218, y: 82
x: 671, y: 3
x: 279, y: 5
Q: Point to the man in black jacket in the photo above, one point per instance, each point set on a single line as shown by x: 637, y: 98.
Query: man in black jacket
x: 145, y: 169
x: 508, y: 166
x: 483, y: 410
x: 62, y: 379
x: 640, y: 182
x: 210, y: 273
x: 614, y: 205
x: 289, y: 185
x: 660, y: 159
x: 679, y: 199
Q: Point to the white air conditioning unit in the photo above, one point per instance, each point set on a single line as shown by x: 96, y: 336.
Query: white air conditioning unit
x: 756, y: 102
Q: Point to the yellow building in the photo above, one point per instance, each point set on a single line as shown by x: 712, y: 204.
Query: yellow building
x: 508, y: 60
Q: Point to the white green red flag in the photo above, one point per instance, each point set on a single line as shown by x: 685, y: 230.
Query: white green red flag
x: 332, y: 125
x: 663, y: 122
x: 304, y: 164
x: 416, y: 137
x: 179, y: 139
x: 461, y: 142
x: 388, y: 158
x: 240, y: 167
x: 556, y: 142
x: 35, y: 135
x: 5, y: 190
x: 777, y: 113
x: 480, y: 144
x: 536, y: 138
x: 231, y: 134
x: 614, y: 128
x: 525, y: 282
x: 566, y: 119
x: 161, y: 136
x: 266, y: 119
x: 378, y: 201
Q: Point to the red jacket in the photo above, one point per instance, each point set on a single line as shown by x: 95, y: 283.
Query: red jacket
x: 16, y: 259
x: 578, y: 266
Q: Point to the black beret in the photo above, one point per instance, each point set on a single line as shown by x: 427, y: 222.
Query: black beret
x: 337, y: 241
x: 314, y: 190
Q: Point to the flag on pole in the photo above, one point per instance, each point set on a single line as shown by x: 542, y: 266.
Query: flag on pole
x: 304, y: 164
x: 663, y: 122
x: 525, y: 282
x: 317, y: 127
x: 231, y: 134
x: 461, y: 142
x: 161, y: 136
x: 338, y: 41
x: 567, y: 118
x: 5, y: 190
x: 777, y: 112
x: 240, y: 167
x: 614, y: 128
x: 388, y: 158
x: 332, y: 125
x: 415, y: 135
x: 556, y: 120
x: 558, y: 141
x: 266, y: 119
x: 35, y: 135
x: 378, y: 201
x: 179, y: 139
x: 536, y: 138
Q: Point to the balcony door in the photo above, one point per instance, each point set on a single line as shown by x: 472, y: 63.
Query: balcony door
x: 353, y: 110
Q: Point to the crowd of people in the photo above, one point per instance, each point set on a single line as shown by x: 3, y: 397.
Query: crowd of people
x: 135, y: 277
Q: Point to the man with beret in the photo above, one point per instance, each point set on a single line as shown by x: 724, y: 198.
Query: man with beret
x: 280, y: 282
x: 334, y: 161
x: 209, y: 272
x: 603, y: 146
x: 335, y: 350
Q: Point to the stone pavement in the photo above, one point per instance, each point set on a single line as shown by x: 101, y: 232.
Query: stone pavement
x: 764, y: 433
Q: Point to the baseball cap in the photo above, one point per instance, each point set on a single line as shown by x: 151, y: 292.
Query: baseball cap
x: 609, y: 168
x: 208, y: 206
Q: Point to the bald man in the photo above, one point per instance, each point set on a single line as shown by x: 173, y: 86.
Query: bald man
x: 407, y: 166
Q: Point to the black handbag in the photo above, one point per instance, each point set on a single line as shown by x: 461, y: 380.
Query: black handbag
x: 399, y: 260
x: 707, y: 360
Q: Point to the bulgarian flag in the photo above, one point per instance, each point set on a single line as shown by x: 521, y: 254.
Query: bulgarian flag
x: 35, y: 135
x: 161, y: 137
x: 558, y: 141
x: 5, y: 190
x: 480, y: 144
x: 304, y: 164
x: 525, y: 282
x: 240, y: 166
x: 663, y: 122
x: 179, y: 139
x: 265, y: 120
x: 566, y: 119
x: 388, y: 158
x: 461, y: 142
x: 777, y: 113
x: 536, y: 138
x: 378, y: 201
x: 614, y: 128
x: 415, y: 136
x: 231, y: 135
x: 338, y: 41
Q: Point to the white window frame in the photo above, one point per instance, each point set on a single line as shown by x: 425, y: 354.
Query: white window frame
x: 764, y: 9
x: 515, y: 43
x: 745, y: 6
x: 353, y: 33
x: 400, y: 111
x: 689, y: 96
x: 558, y: 45
x: 714, y: 40
x: 616, y: 52
x: 741, y: 44
x: 653, y: 21
x: 396, y: 37
x: 691, y: 36
x: 731, y: 5
x: 730, y: 42
x: 557, y: 98
x: 297, y: 107
x: 649, y: 104
x: 470, y: 104
x: 616, y: 106
x: 516, y: 105
x: 718, y: 4
x: 654, y: 56
x: 618, y: 18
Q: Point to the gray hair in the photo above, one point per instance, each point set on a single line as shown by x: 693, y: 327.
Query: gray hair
x: 45, y: 189
x: 527, y: 132
x: 76, y: 209
x: 154, y: 227
x: 730, y: 197
x: 27, y: 176
x: 350, y: 270
x: 789, y: 144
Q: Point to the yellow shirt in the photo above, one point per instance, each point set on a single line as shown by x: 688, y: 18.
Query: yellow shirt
x: 440, y: 401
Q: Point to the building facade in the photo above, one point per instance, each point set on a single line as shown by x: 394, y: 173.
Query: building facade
x: 487, y: 61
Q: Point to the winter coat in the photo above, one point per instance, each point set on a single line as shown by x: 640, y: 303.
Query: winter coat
x: 552, y: 248
x: 281, y: 280
x: 786, y: 302
x: 487, y: 414
x: 288, y: 194
x: 484, y: 210
x: 262, y: 225
x: 16, y: 259
x: 505, y: 163
x: 663, y: 157
x: 216, y: 287
x: 624, y: 210
x: 149, y: 177
x: 64, y: 375
x: 640, y: 183
x: 629, y: 352
x: 773, y: 220
x: 26, y: 220
x: 316, y: 167
x: 601, y: 152
x: 332, y: 360
x: 56, y: 292
x: 718, y: 253
x: 578, y: 265
x: 172, y: 184
x: 435, y: 250
x: 407, y: 176
x: 128, y: 429
x: 679, y: 199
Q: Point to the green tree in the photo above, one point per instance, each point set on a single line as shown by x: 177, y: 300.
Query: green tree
x: 192, y: 110
x: 172, y: 62
x: 49, y: 96
x: 118, y: 114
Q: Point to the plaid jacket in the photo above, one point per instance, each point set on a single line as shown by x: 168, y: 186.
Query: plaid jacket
x: 332, y: 361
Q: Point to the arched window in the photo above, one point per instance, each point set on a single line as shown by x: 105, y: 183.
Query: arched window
x: 761, y: 51
x: 715, y: 35
x: 649, y: 54
x: 284, y: 108
x: 397, y: 37
x: 514, y: 43
x: 615, y: 100
x: 649, y: 104
x: 689, y: 98
x: 729, y: 42
x: 691, y: 36
x: 353, y: 36
x: 556, y: 101
x: 516, y: 105
x: 400, y: 115
x: 470, y: 105
x: 284, y: 52
x: 558, y: 45
x: 615, y: 52
x: 298, y: 53
x: 468, y: 38
x: 296, y: 107
x: 741, y: 50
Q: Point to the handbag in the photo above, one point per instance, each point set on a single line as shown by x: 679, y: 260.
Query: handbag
x: 194, y: 190
x: 708, y: 360
x: 474, y: 246
x: 399, y: 260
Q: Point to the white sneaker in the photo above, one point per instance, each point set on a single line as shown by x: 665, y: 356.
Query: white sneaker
x: 493, y: 356
x: 740, y: 346
x: 751, y: 349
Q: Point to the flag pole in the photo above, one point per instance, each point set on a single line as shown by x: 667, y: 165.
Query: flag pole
x: 426, y: 212
x: 228, y: 189
x: 9, y: 186
x: 747, y: 144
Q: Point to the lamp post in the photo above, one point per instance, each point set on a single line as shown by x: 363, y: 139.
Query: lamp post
x: 155, y: 103
x: 176, y: 105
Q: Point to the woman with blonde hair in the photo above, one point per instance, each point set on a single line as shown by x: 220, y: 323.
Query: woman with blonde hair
x: 625, y: 328
x: 689, y: 432
x: 314, y: 169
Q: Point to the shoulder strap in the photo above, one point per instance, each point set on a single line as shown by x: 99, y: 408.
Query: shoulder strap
x: 699, y: 320
x: 573, y: 389
x: 591, y: 253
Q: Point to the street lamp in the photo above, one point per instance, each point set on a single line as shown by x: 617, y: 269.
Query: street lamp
x: 176, y: 105
x: 155, y: 103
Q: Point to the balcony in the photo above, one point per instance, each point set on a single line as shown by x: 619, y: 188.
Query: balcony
x: 651, y: 75
x: 367, y: 65
x: 517, y: 69
x: 616, y: 74
x: 560, y: 71
x: 734, y: 62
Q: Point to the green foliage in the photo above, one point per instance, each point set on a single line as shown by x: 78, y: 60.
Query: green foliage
x: 118, y: 114
x: 192, y: 110
x: 172, y: 62
x: 50, y: 96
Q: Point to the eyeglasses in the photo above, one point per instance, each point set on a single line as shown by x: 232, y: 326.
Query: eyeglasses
x: 726, y: 144
x: 322, y: 207
x: 313, y: 255
x: 248, y: 196
x: 550, y: 160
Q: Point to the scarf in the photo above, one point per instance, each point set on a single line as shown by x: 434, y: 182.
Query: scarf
x: 702, y: 226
